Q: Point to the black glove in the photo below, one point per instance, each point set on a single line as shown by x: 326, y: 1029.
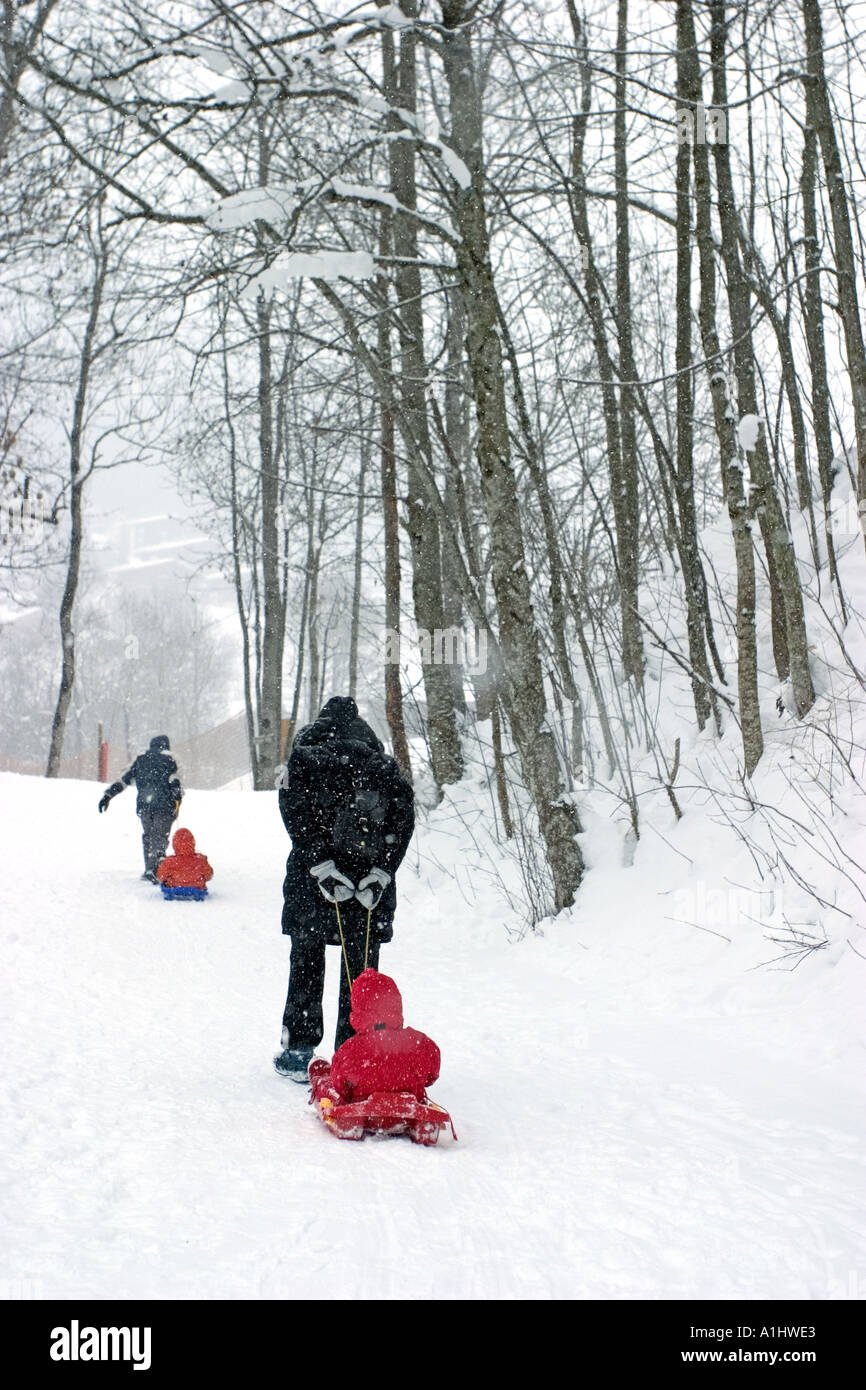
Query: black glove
x: 371, y: 888
x: 332, y: 884
x: 105, y: 802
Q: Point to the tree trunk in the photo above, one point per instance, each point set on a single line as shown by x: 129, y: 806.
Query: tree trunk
x: 731, y: 471
x: 768, y: 509
x: 292, y: 727
x: 359, y: 560
x: 518, y: 635
x: 15, y: 49
x: 538, y: 474
x: 684, y: 481
x: 762, y: 291
x: 77, y: 482
x: 391, y: 522
x: 457, y: 428
x: 813, y: 322
x: 273, y: 627
x: 630, y: 508
x: 499, y: 772
x: 621, y: 486
x: 821, y: 116
x: 314, y: 675
x: 237, y: 524
x: 270, y: 683
x: 423, y: 523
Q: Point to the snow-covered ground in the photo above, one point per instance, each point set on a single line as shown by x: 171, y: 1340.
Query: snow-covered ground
x: 645, y: 1108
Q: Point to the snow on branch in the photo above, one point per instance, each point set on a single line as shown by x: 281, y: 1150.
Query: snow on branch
x: 453, y: 163
x: 427, y: 135
x: 748, y: 430
x: 251, y: 205
x: 389, y: 16
x: 368, y: 193
x: 215, y: 58
x: 323, y: 265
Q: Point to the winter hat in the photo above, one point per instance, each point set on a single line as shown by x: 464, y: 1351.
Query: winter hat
x: 376, y: 1002
x: 339, y: 720
x: 160, y: 744
x: 341, y: 708
x: 182, y: 842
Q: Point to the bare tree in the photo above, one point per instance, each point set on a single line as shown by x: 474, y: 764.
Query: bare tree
x: 20, y: 28
x: 518, y: 636
x: 108, y: 330
x: 792, y: 650
x: 400, y: 89
x: 731, y: 469
x: 620, y: 452
x: 820, y: 118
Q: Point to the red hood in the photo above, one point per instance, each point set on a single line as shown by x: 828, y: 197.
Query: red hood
x: 182, y: 842
x: 375, y: 999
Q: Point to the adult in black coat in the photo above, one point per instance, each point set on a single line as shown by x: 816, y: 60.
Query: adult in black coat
x: 350, y: 815
x: 159, y: 796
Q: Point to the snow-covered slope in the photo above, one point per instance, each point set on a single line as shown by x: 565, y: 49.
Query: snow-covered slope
x: 644, y: 1110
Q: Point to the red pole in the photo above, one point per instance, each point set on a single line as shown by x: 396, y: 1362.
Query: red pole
x: 103, y: 757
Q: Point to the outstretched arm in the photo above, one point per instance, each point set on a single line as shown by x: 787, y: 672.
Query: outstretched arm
x: 117, y: 787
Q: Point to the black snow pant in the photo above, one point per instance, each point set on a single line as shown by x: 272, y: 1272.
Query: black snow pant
x: 303, y: 1021
x: 155, y: 828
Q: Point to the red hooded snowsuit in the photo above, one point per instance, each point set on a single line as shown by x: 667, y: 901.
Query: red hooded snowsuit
x: 383, y: 1055
x: 184, y: 868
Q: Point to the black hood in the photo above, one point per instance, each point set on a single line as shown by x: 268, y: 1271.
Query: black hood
x: 160, y: 743
x: 341, y: 709
x: 338, y: 721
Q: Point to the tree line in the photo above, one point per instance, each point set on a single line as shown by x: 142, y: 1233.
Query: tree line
x: 493, y: 305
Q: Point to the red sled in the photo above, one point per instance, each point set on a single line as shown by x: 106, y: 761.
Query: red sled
x: 386, y: 1113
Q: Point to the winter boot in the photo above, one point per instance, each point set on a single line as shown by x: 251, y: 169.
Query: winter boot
x: 294, y: 1062
x: 150, y: 876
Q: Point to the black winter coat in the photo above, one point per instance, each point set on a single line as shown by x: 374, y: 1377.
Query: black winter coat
x: 155, y: 776
x: 344, y: 799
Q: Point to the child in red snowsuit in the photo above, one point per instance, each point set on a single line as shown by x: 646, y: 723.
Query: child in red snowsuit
x: 376, y: 1081
x: 383, y: 1055
x: 185, y: 868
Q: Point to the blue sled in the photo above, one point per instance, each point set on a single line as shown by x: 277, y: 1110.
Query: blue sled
x: 199, y: 894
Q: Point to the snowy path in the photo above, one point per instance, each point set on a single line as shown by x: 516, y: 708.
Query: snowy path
x: 613, y: 1142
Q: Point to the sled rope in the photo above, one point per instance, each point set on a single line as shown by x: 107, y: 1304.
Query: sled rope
x: 343, y: 942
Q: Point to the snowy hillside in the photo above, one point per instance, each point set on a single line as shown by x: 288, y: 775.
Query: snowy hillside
x: 644, y: 1109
